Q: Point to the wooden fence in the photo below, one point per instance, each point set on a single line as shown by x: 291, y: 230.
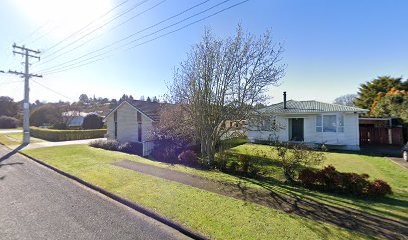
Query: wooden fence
x: 381, y: 135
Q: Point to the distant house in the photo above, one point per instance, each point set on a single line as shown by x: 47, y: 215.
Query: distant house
x: 132, y: 121
x: 314, y: 122
x: 73, y: 118
x: 76, y: 118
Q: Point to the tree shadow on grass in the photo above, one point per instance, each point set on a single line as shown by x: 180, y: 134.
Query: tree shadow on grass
x: 268, y: 183
x: 351, y: 219
x: 277, y: 198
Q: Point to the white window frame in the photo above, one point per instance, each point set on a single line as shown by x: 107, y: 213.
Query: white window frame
x: 339, y: 125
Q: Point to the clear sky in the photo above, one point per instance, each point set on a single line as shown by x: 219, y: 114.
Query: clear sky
x: 330, y: 46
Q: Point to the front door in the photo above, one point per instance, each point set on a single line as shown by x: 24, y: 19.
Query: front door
x: 296, y: 133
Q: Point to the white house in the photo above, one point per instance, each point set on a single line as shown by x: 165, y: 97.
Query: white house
x: 132, y: 121
x: 337, y: 126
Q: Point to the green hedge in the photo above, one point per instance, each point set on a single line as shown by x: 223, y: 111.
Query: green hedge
x: 66, y: 135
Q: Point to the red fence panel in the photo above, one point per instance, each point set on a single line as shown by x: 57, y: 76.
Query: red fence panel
x: 373, y: 135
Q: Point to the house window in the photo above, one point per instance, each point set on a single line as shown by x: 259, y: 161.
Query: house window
x: 139, y: 117
x: 139, y: 132
x: 340, y: 127
x: 115, y: 119
x: 139, y: 127
x: 330, y: 123
x: 319, y: 126
x: 266, y: 124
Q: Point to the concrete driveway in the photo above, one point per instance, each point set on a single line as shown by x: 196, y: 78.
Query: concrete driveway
x: 400, y: 161
x: 37, y: 203
x: 63, y: 143
x: 10, y: 130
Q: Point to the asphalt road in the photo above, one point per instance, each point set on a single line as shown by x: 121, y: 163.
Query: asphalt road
x: 37, y: 203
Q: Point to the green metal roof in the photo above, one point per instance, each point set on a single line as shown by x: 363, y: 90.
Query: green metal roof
x: 310, y: 107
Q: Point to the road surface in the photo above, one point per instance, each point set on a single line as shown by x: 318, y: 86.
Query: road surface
x: 37, y: 203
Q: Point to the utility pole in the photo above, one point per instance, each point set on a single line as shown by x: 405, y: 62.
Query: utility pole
x: 27, y: 53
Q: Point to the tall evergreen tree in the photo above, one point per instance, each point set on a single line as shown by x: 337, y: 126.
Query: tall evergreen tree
x: 368, y: 91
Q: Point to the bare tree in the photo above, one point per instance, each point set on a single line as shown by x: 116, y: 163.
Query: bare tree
x: 223, y: 80
x: 347, y: 100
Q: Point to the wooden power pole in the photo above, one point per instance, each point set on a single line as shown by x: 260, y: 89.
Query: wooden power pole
x: 27, y: 53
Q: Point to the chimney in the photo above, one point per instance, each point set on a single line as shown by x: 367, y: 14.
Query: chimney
x: 284, y: 100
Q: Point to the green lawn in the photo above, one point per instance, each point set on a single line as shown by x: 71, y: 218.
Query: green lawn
x: 215, y: 215
x: 15, y: 139
x: 394, y: 206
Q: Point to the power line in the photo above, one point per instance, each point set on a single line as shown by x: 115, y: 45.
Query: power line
x: 58, y: 66
x: 45, y: 33
x: 25, y: 39
x: 52, y: 90
x: 82, y: 44
x: 95, y: 51
x: 197, y: 5
x: 86, y: 26
x: 73, y: 66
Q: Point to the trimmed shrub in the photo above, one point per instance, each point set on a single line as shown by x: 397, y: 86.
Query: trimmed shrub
x: 308, y: 178
x: 112, y: 145
x: 379, y: 188
x: 92, y: 121
x: 188, y: 157
x: 329, y: 179
x: 239, y: 164
x: 132, y: 148
x: 9, y: 122
x: 355, y: 184
x: 66, y: 135
x: 166, y: 150
x: 59, y: 126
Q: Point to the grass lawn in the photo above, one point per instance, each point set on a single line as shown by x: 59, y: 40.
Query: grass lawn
x: 215, y: 215
x: 394, y: 206
x: 15, y: 139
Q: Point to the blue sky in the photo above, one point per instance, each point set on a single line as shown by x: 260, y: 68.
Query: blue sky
x: 331, y: 47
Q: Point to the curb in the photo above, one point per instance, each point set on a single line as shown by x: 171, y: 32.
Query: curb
x: 184, y: 230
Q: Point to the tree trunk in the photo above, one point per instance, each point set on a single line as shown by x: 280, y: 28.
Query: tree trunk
x: 208, y: 151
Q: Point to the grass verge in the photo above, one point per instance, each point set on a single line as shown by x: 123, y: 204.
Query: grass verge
x: 15, y: 139
x: 217, y: 216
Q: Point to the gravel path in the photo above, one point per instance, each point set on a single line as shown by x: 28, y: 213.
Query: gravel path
x: 351, y: 219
